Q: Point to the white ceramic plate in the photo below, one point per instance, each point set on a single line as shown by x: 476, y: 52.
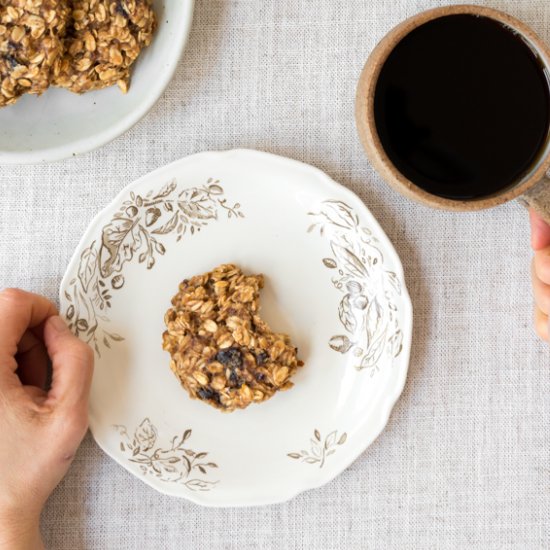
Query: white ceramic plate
x: 59, y: 124
x: 333, y: 282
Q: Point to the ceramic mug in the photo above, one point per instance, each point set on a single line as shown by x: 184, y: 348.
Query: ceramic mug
x: 533, y: 189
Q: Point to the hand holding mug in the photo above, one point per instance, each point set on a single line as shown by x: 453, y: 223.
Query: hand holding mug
x: 453, y: 110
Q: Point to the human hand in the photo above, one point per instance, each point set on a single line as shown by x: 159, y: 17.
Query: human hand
x: 540, y: 241
x: 40, y: 430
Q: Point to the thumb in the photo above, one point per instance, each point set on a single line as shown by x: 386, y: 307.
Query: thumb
x: 72, y: 364
x: 540, y: 231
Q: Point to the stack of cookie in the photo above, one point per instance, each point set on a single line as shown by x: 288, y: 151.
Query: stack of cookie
x: 81, y: 45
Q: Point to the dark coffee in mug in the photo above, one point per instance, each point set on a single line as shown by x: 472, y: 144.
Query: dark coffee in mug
x: 462, y: 107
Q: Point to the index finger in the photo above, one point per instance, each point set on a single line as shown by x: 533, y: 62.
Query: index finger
x: 19, y: 311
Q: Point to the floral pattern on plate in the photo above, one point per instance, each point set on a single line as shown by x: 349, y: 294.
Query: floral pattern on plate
x: 320, y: 448
x: 176, y: 463
x: 338, y: 290
x: 367, y: 311
x: 136, y: 231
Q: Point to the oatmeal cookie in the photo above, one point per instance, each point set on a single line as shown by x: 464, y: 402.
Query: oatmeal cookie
x: 105, y: 39
x: 222, y: 351
x: 31, y: 34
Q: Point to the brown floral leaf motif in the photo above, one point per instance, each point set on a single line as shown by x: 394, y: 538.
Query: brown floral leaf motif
x: 349, y: 261
x: 215, y: 189
x: 196, y: 211
x: 167, y: 463
x: 346, y: 314
x: 130, y: 235
x: 196, y: 204
x: 366, y: 310
x: 88, y: 266
x: 319, y: 449
x: 166, y: 468
x: 82, y: 325
x: 374, y: 258
x: 330, y: 263
x: 166, y: 190
x: 168, y: 227
x: 152, y: 215
x: 200, y: 484
x: 315, y: 448
x: 117, y: 282
x: 374, y: 318
x: 340, y: 214
x: 395, y: 343
x: 393, y: 281
x: 146, y: 435
x: 340, y: 343
x: 119, y: 242
x: 70, y: 312
x: 330, y: 439
x: 374, y: 352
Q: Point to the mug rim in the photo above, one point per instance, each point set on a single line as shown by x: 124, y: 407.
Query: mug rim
x: 366, y: 125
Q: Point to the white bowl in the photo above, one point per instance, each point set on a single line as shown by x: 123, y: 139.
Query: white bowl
x: 333, y: 282
x: 60, y: 124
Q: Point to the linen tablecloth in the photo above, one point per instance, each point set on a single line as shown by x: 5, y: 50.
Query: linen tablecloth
x: 464, y: 460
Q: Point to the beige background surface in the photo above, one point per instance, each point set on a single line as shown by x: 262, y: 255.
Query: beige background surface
x: 464, y: 461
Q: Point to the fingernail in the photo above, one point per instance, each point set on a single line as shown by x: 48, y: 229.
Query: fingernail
x: 58, y: 324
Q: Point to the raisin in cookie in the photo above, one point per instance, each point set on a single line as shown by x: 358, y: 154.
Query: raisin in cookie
x: 31, y: 33
x: 105, y: 39
x: 222, y: 351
